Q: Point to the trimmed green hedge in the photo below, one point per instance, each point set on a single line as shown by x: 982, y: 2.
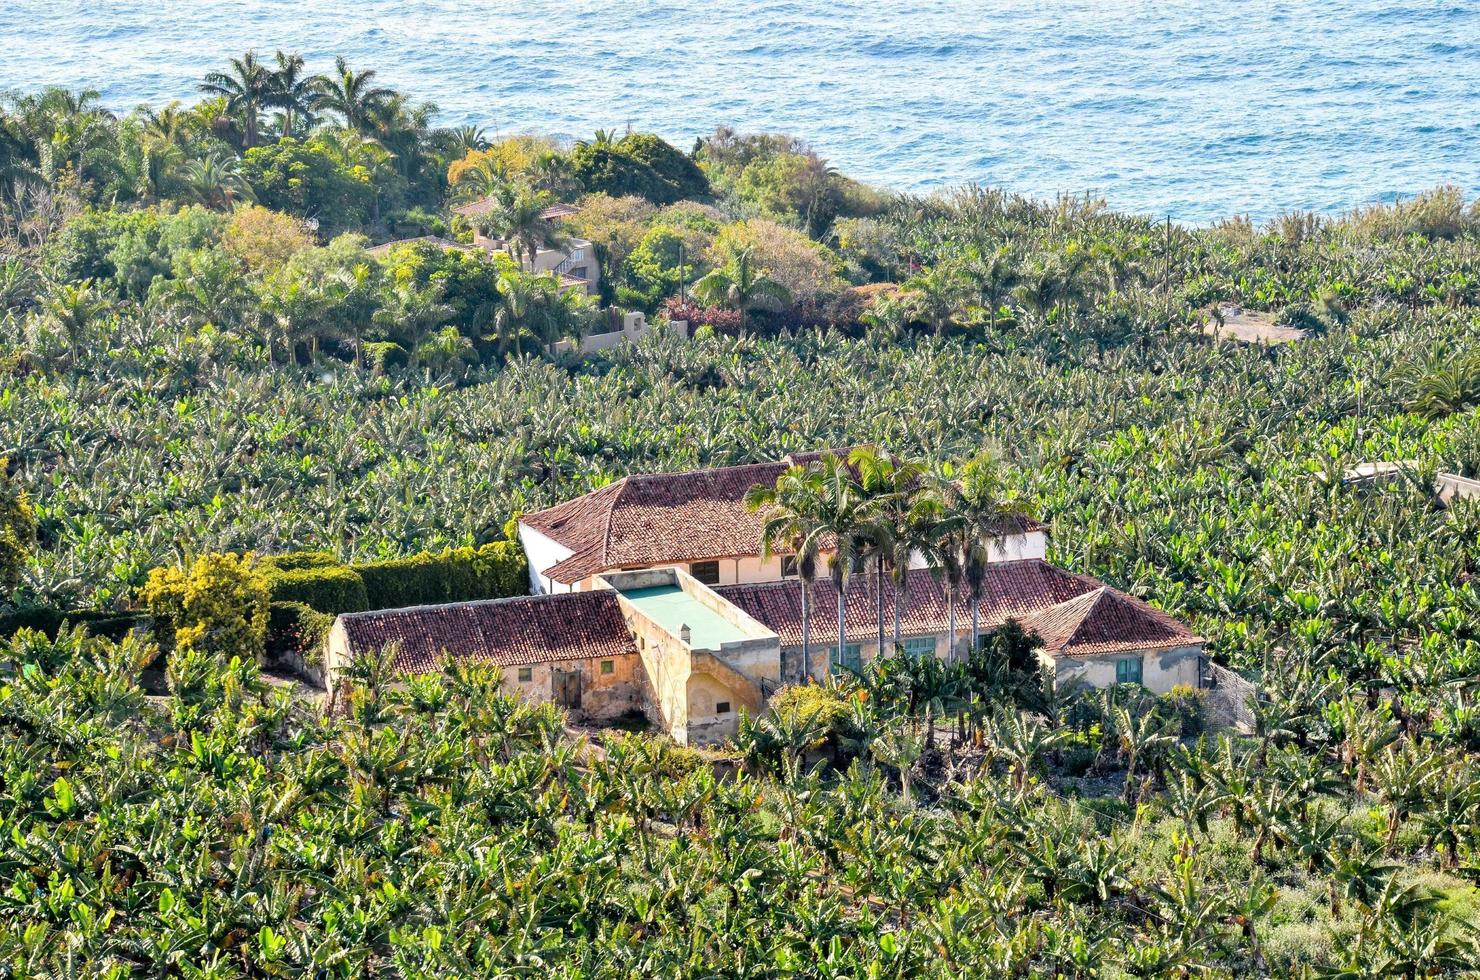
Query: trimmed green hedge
x: 294, y: 560
x: 330, y: 589
x: 493, y: 571
x: 314, y: 578
x: 112, y: 625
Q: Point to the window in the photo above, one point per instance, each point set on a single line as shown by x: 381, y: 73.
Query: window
x: 1128, y: 670
x: 918, y: 646
x: 608, y: 667
x: 526, y: 674
x: 705, y: 571
x: 721, y: 707
x: 852, y: 658
x: 789, y: 566
x: 579, y: 272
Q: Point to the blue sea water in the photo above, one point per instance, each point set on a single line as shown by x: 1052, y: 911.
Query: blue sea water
x: 1198, y: 110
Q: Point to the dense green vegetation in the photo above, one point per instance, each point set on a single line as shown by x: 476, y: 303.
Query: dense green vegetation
x: 186, y: 373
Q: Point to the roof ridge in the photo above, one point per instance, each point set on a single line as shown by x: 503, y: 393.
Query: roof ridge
x: 606, y: 530
x: 461, y: 603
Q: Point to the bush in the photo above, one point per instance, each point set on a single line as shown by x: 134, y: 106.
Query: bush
x: 329, y: 589
x: 824, y: 703
x: 95, y: 622
x: 493, y: 571
x: 299, y: 630
x: 303, y: 559
x: 17, y: 531
x: 1187, y: 706
x: 219, y: 605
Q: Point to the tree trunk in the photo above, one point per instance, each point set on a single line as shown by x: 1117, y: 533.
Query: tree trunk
x: 976, y: 617
x: 842, y: 584
x: 806, y: 632
x: 879, y: 599
x: 951, y: 629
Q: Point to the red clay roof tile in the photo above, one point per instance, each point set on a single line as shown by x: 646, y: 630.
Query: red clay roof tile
x: 512, y: 632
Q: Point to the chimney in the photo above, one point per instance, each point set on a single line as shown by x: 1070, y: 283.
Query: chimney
x: 685, y: 634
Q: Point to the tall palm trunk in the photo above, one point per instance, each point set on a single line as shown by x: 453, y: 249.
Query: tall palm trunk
x: 976, y: 616
x: 951, y: 619
x: 879, y: 598
x: 842, y: 583
x: 806, y: 630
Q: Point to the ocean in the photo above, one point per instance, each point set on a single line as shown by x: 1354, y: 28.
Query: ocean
x: 1193, y: 110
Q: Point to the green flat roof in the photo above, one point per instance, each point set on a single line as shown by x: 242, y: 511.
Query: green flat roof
x: 671, y: 608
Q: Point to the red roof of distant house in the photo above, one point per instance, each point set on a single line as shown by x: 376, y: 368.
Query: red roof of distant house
x: 1074, y: 614
x: 512, y: 632
x: 663, y: 518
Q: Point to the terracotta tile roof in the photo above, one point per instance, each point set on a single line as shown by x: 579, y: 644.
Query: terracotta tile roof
x: 654, y: 519
x: 383, y: 249
x: 508, y: 632
x: 1106, y: 621
x: 663, y: 518
x: 1076, y: 615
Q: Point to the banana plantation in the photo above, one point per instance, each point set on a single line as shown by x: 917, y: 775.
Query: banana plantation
x: 915, y: 821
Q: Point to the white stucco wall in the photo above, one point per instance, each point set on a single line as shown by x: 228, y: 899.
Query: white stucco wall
x: 542, y: 552
x: 1161, y: 670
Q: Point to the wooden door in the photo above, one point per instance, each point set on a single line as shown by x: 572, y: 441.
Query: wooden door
x: 568, y: 688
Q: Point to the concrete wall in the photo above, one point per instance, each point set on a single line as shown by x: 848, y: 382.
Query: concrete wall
x: 635, y: 326
x: 542, y: 552
x: 688, y: 683
x: 1161, y: 670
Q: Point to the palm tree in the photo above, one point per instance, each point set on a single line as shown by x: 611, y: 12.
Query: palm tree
x: 538, y: 306
x: 992, y: 273
x: 892, y: 485
x: 215, y: 182
x: 293, y: 92
x: 351, y: 95
x: 936, y: 297
x: 169, y: 126
x: 517, y: 218
x: 248, y: 86
x: 789, y: 508
x: 983, y: 511
x: 742, y: 287
x: 464, y: 139
x: 411, y: 314
x: 447, y: 350
x: 365, y: 156
x: 846, y: 515
x: 73, y: 308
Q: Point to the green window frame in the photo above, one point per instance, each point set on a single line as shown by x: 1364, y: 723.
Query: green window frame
x: 1128, y: 670
x: 918, y: 646
x: 852, y: 658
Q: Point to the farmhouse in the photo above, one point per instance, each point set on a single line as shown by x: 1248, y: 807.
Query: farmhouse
x: 650, y: 595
